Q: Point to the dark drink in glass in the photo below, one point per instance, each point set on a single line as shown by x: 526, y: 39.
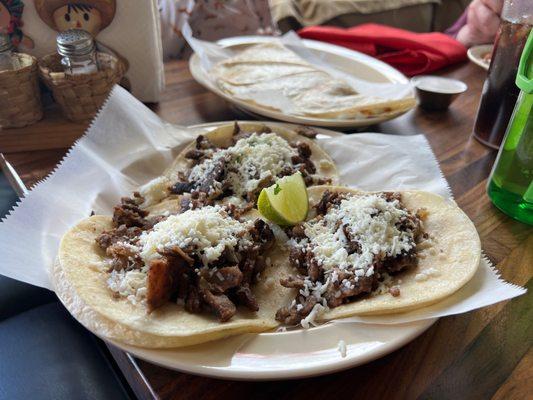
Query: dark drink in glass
x: 499, y: 91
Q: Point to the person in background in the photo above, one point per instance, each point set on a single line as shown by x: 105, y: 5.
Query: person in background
x: 478, y: 24
x: 212, y: 20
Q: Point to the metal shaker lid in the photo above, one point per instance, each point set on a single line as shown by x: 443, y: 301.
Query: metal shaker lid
x: 75, y: 42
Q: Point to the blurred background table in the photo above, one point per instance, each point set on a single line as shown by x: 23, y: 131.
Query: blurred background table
x: 480, y: 355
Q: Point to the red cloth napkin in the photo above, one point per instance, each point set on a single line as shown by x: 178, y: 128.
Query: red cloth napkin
x: 411, y: 53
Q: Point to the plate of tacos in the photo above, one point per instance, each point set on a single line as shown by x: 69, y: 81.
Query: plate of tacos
x: 266, y: 78
x: 188, y: 273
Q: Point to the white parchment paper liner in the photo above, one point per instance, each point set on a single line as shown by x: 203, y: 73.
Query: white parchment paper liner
x: 128, y: 145
x: 211, y: 53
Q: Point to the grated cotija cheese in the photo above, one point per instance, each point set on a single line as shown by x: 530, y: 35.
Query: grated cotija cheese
x: 249, y: 161
x: 209, y: 230
x: 371, y: 220
x: 130, y: 284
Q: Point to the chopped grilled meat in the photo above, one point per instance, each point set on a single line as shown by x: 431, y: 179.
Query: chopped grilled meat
x: 246, y: 298
x: 292, y: 281
x: 339, y: 293
x: 222, y: 279
x: 298, y: 231
x: 177, y: 252
x: 120, y: 234
x: 328, y: 199
x: 291, y: 316
x: 162, y: 282
x: 129, y: 213
x: 297, y: 259
x: 401, y: 262
x: 181, y: 187
x: 353, y: 245
x: 193, y: 302
x: 203, y: 143
x: 216, y: 174
x: 262, y: 234
x: 307, y: 132
x: 314, y: 270
x: 238, y: 212
x: 304, y: 150
x: 219, y: 303
x: 194, y: 154
x: 236, y: 128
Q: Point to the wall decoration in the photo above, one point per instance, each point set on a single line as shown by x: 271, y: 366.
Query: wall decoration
x: 11, y: 23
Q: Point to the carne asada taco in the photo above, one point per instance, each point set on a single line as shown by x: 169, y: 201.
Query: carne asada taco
x: 170, y: 280
x: 376, y: 253
x: 231, y: 164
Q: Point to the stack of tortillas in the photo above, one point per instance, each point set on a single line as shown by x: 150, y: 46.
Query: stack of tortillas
x: 270, y: 75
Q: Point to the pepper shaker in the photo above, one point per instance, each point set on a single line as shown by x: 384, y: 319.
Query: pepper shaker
x: 78, y: 52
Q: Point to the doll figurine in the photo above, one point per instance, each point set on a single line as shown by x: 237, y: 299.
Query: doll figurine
x: 11, y: 23
x: 92, y: 16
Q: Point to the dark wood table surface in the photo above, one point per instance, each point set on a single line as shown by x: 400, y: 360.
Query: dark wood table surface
x: 484, y: 354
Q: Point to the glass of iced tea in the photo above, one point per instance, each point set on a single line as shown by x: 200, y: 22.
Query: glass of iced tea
x: 499, y: 91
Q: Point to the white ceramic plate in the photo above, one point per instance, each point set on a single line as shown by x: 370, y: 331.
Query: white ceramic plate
x: 357, y: 64
x: 476, y: 54
x: 285, y: 355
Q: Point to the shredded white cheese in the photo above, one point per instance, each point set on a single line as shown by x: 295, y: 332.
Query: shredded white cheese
x: 249, y: 161
x: 426, y: 274
x: 371, y: 220
x: 209, y: 230
x: 130, y: 284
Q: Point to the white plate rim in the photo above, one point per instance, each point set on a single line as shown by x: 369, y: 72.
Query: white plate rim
x: 226, y: 372
x: 388, y: 71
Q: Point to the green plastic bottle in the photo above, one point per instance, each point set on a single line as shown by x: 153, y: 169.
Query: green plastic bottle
x: 510, y: 184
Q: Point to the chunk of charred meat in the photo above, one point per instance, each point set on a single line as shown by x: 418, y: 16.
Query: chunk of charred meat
x: 304, y: 150
x: 262, y: 234
x: 238, y: 212
x: 297, y: 258
x: 215, y: 175
x: 346, y: 289
x: 162, y: 282
x: 222, y: 306
x: 177, y: 252
x: 401, y: 262
x: 193, y: 301
x: 120, y: 234
x: 194, y: 154
x: 307, y: 132
x: 203, y: 143
x: 129, y: 213
x: 314, y: 270
x: 222, y: 279
x: 245, y: 297
x: 123, y: 257
x: 293, y: 281
x: 182, y: 187
x: 328, y: 199
x: 292, y: 316
x: 353, y: 245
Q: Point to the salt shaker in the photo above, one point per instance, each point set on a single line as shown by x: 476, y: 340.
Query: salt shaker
x: 8, y: 61
x: 78, y: 52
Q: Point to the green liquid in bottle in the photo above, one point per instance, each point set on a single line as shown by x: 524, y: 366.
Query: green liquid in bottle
x: 511, y: 184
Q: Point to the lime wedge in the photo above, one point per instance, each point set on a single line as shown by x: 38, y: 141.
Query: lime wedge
x: 285, y: 203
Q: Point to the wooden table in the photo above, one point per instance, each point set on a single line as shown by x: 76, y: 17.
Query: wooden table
x: 479, y: 355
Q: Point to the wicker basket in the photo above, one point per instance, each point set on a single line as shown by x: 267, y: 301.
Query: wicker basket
x: 20, y: 98
x: 80, y: 96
